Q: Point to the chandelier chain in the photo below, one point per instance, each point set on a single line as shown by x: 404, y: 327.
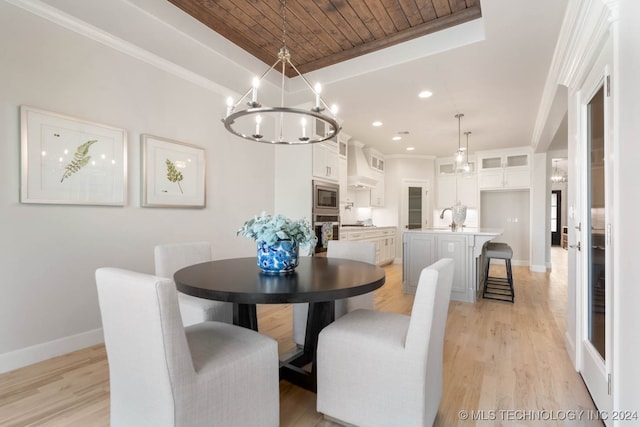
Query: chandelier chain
x: 284, y: 23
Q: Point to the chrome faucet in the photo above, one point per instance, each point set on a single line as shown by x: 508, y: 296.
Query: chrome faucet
x: 453, y: 224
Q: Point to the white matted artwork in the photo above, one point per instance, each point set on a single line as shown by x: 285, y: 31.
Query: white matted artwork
x: 173, y: 173
x: 66, y: 160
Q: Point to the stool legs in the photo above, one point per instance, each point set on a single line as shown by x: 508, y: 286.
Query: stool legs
x: 499, y: 288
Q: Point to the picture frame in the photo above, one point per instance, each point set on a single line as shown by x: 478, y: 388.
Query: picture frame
x: 70, y: 161
x: 173, y: 173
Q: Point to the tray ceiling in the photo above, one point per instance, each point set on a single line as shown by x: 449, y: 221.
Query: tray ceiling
x: 324, y: 32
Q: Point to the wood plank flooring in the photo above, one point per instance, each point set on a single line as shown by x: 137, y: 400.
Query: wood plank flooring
x: 499, y: 358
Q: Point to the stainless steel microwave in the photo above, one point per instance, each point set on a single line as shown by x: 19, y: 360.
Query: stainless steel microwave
x: 326, y: 198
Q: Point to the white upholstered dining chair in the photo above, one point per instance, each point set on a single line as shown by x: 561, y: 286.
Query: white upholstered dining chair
x: 357, y: 251
x: 385, y: 369
x: 170, y: 258
x: 163, y: 374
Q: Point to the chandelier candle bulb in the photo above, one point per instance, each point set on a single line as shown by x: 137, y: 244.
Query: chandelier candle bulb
x: 318, y: 89
x: 303, y: 123
x: 258, y: 121
x: 254, y: 92
x: 229, y: 105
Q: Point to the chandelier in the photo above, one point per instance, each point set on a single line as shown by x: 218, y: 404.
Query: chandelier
x: 284, y: 125
x: 557, y: 176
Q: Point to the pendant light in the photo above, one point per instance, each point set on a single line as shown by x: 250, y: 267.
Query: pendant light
x: 557, y: 176
x: 467, y: 167
x: 285, y: 125
x: 460, y: 153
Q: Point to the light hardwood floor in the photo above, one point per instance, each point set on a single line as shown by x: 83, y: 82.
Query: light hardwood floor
x: 499, y: 358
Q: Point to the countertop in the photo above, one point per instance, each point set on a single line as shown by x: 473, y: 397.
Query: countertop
x: 465, y: 230
x: 365, y: 227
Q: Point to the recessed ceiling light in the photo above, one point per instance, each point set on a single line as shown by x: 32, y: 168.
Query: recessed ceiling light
x: 425, y: 94
x: 377, y: 123
x: 397, y: 138
x: 410, y: 148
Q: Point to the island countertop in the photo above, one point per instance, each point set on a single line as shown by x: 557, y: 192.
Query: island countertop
x: 481, y: 231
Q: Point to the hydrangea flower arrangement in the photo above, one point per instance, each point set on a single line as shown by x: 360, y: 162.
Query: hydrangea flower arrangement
x: 272, y: 228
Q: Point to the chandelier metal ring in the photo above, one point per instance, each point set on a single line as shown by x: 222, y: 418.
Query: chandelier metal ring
x: 333, y: 124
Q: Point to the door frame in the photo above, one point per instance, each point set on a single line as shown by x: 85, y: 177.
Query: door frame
x: 596, y: 374
x: 427, y: 210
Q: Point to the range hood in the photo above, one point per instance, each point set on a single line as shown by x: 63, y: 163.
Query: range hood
x: 359, y: 173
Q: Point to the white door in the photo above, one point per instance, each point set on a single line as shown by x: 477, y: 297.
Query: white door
x: 594, y: 273
x: 415, y: 205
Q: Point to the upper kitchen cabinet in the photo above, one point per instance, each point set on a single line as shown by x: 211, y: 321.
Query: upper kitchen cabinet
x: 456, y: 186
x: 376, y: 160
x: 504, y: 169
x: 325, y: 160
x: 376, y: 163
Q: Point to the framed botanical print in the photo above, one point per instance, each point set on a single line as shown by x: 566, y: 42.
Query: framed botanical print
x: 66, y: 160
x: 173, y: 173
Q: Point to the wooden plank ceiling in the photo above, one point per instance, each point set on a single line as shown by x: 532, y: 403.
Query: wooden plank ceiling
x: 320, y: 33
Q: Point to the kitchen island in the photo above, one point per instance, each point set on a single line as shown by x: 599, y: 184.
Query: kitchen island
x: 423, y: 247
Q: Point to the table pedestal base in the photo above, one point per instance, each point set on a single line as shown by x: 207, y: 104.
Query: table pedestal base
x: 293, y: 369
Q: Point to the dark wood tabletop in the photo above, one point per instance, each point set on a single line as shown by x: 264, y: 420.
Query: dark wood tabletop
x: 317, y: 280
x: 239, y: 280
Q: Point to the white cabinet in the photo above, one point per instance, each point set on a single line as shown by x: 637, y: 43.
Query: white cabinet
x: 388, y: 250
x: 375, y: 159
x: 454, y: 187
x: 509, y: 170
x: 325, y: 161
x: 418, y: 252
x: 421, y: 248
x: 383, y: 237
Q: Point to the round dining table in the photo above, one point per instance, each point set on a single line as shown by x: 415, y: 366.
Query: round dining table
x: 318, y: 280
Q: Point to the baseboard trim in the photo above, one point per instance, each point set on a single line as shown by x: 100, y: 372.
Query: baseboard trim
x: 571, y: 349
x: 538, y: 268
x: 37, y: 353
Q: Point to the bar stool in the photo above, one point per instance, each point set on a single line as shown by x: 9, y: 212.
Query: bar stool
x: 498, y: 288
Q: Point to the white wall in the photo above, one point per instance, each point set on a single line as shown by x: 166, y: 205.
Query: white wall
x: 508, y: 210
x: 540, y: 214
x: 49, y: 253
x: 397, y: 170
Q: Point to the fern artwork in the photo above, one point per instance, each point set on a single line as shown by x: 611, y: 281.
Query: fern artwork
x: 80, y: 159
x: 174, y: 175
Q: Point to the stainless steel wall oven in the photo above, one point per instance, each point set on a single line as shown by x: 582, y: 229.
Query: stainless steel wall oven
x: 326, y: 213
x: 326, y: 198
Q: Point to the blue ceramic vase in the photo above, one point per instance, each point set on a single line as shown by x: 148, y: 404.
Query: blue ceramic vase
x: 281, y: 257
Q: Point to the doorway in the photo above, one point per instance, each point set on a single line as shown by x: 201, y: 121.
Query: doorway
x: 556, y: 222
x: 415, y: 204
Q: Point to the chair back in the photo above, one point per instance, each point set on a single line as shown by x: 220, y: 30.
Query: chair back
x: 425, y: 337
x: 171, y: 257
x: 146, y: 345
x: 356, y: 251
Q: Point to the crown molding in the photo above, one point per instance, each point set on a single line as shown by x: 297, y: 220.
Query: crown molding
x: 585, y: 28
